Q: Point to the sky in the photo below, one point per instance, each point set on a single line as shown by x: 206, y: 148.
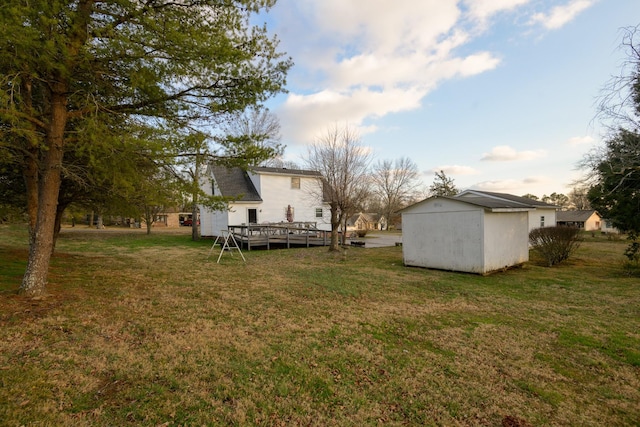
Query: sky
x: 498, y: 94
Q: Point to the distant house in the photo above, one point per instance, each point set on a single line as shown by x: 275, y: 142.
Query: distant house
x: 471, y: 233
x: 263, y: 195
x: 169, y: 217
x: 366, y: 221
x: 588, y: 220
x: 607, y: 227
x: 541, y: 214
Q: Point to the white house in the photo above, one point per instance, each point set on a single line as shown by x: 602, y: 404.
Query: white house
x: 541, y: 214
x: 474, y: 233
x: 263, y: 195
x: 607, y: 227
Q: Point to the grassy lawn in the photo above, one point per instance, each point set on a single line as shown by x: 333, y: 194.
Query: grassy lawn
x: 144, y: 330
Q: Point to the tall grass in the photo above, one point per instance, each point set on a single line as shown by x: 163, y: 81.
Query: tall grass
x: 145, y: 330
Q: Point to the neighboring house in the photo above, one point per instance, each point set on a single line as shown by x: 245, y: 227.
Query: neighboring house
x: 588, y: 220
x: 366, y: 221
x: 473, y: 233
x: 541, y: 214
x: 607, y: 227
x: 263, y: 195
x: 170, y: 218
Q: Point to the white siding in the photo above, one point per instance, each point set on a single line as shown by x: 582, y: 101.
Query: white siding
x: 506, y: 237
x: 536, y: 215
x: 443, y: 234
x: 277, y: 194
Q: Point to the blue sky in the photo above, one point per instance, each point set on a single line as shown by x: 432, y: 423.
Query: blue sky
x: 500, y: 94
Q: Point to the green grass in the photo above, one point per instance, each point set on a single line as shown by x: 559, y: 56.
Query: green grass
x: 145, y: 330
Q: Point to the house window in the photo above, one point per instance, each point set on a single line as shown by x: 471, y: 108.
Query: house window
x: 295, y: 182
x: 542, y: 221
x: 213, y: 188
x: 319, y: 213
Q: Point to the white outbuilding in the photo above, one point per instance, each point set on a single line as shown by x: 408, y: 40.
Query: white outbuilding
x: 474, y: 234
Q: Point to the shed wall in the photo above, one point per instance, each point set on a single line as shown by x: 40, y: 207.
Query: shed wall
x: 443, y: 240
x: 506, y: 240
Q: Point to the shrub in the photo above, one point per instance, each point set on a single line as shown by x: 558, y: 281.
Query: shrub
x: 361, y: 233
x: 555, y: 244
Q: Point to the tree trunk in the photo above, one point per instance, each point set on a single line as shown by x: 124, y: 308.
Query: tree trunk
x: 335, y: 227
x: 58, y: 224
x: 148, y: 218
x: 194, y: 223
x: 35, y: 278
x: 31, y: 166
x: 195, y: 235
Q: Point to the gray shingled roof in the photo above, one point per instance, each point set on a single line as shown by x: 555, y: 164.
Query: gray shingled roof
x: 490, y: 202
x: 235, y: 182
x: 522, y: 200
x: 574, y: 216
x: 286, y: 171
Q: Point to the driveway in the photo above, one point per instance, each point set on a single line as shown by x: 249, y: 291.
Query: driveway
x: 380, y: 239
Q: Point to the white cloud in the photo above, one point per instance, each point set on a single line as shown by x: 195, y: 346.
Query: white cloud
x: 580, y: 140
x: 454, y: 170
x: 304, y: 117
x: 561, y: 15
x: 504, y: 153
x: 512, y: 185
x: 484, y: 9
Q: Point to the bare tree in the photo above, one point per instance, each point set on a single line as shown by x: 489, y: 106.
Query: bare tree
x: 619, y: 101
x: 343, y: 162
x: 395, y: 183
x: 279, y: 162
x: 557, y: 199
x: 257, y: 127
x: 578, y: 198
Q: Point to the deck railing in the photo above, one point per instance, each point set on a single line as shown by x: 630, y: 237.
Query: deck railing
x: 289, y: 233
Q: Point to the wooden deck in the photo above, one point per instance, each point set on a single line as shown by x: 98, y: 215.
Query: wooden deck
x: 279, y: 235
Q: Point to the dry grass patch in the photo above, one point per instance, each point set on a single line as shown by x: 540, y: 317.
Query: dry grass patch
x: 144, y: 330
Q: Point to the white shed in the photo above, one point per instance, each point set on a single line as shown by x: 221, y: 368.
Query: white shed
x: 468, y: 234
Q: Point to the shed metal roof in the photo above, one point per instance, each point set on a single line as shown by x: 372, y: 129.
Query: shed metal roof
x: 489, y: 203
x: 510, y: 197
